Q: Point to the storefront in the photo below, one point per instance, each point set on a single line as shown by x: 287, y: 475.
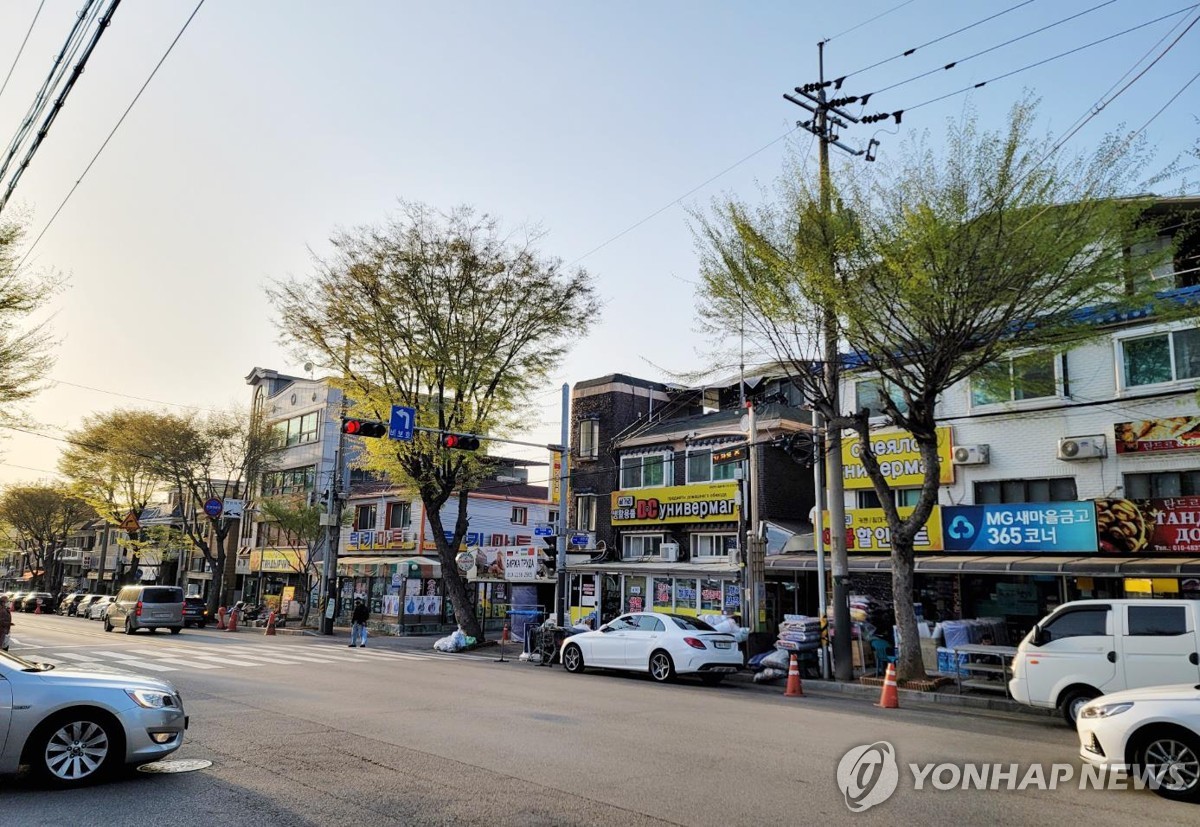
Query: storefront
x: 513, y: 584
x: 611, y: 589
x: 403, y: 590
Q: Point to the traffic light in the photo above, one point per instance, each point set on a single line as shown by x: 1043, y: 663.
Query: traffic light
x: 364, y: 427
x: 461, y: 442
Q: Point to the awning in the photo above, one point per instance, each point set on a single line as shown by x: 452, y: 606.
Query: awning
x: 1065, y: 564
x: 661, y: 569
x: 387, y: 566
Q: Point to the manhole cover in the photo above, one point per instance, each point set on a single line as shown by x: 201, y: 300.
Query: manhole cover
x: 181, y: 765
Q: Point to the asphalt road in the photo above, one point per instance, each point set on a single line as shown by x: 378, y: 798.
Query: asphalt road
x: 305, y: 731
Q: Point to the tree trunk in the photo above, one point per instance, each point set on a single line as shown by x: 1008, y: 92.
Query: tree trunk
x: 910, y: 665
x: 456, y: 584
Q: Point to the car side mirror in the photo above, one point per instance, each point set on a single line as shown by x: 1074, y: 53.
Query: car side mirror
x: 1040, y: 636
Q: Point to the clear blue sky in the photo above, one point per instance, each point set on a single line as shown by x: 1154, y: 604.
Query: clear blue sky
x: 275, y: 122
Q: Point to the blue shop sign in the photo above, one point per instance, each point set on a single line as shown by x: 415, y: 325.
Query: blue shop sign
x: 1020, y: 527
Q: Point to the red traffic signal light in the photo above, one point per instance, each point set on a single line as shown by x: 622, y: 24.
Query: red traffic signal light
x: 460, y: 441
x: 364, y: 427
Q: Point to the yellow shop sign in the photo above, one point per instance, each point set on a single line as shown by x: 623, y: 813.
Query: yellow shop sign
x: 709, y: 502
x: 899, y: 459
x: 867, y: 530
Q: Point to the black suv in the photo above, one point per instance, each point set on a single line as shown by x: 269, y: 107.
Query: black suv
x: 195, y: 612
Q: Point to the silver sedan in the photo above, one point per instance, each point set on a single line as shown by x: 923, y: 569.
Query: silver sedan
x: 74, y: 726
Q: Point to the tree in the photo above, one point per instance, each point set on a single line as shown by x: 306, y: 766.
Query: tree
x: 948, y: 262
x: 299, y: 526
x: 24, y: 348
x: 40, y: 517
x: 443, y: 312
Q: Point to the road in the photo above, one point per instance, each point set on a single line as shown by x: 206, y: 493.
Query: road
x: 302, y: 731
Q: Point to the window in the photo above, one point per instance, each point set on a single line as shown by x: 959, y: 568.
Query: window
x: 1032, y: 376
x: 1082, y: 623
x: 685, y: 594
x: 869, y: 394
x: 646, y: 623
x: 399, y: 515
x: 634, y: 546
x: 624, y: 624
x: 291, y: 481
x: 364, y: 517
x: 905, y: 498
x: 710, y: 596
x: 1150, y: 621
x: 589, y: 439
x: 691, y: 624
x: 1053, y: 490
x: 298, y: 430
x: 1162, y: 484
x: 661, y: 592
x: 520, y: 515
x: 552, y: 517
x: 713, y: 545
x: 1163, y: 357
x: 643, y: 471
x: 585, y: 512
x: 700, y: 467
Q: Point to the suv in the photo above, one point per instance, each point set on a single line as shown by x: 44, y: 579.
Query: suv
x: 195, y: 612
x: 146, y: 607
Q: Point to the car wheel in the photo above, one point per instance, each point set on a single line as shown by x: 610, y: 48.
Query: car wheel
x: 572, y: 659
x: 108, y: 627
x: 712, y: 680
x: 1073, y: 702
x: 201, y: 625
x: 74, y: 749
x: 129, y: 630
x: 1171, y: 757
x: 662, y: 669
x: 176, y: 630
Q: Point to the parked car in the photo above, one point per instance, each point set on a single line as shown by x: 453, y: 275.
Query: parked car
x: 84, y: 606
x: 664, y: 645
x: 99, y: 609
x: 1154, y: 730
x: 14, y: 600
x: 72, y: 727
x: 69, y: 603
x: 195, y: 612
x: 30, y: 601
x: 1088, y: 648
x: 146, y: 607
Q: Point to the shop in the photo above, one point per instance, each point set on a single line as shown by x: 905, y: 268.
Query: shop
x: 611, y: 589
x: 512, y: 584
x: 399, y: 590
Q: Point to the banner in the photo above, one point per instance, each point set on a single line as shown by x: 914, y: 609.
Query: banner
x: 867, y: 530
x: 1175, y: 433
x: 555, y: 474
x: 520, y: 564
x: 709, y: 502
x: 899, y: 459
x: 1148, y: 526
x: 1023, y: 527
x: 381, y: 539
x: 277, y: 560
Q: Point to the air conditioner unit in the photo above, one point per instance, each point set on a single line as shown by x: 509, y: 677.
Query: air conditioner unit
x: 972, y: 454
x: 1082, y: 447
x: 669, y: 552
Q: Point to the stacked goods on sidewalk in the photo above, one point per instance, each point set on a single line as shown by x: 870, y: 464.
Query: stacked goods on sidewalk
x: 951, y: 633
x: 798, y: 634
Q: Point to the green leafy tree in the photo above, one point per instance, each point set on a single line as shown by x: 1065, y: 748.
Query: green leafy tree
x: 300, y: 528
x: 40, y: 517
x: 25, y: 347
x: 446, y: 313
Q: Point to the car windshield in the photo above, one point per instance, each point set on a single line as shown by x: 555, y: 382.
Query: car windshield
x: 14, y: 662
x: 691, y: 624
x: 162, y: 596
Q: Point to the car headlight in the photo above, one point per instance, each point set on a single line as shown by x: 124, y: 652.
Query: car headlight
x: 151, y: 698
x: 1104, y: 710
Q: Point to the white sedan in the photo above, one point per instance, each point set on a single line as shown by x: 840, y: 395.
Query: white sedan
x: 99, y: 609
x: 664, y: 645
x: 1154, y: 731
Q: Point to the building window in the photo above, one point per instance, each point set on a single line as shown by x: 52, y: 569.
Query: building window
x: 291, y: 481
x: 1031, y: 376
x: 700, y: 467
x: 643, y: 471
x: 1053, y: 490
x: 904, y: 497
x: 298, y: 430
x: 1163, y: 357
x: 589, y: 439
x: 713, y: 545
x: 552, y: 517
x: 1162, y: 484
x: 364, y: 517
x: 520, y: 515
x: 634, y: 546
x: 869, y: 394
x: 399, y: 515
x: 585, y: 512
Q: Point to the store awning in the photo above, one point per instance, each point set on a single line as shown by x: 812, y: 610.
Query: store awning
x: 1007, y: 564
x: 662, y: 569
x: 387, y: 566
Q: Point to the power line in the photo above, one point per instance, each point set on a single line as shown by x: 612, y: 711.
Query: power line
x: 1141, y: 128
x: 125, y: 114
x: 20, y: 50
x: 872, y: 20
x: 138, y: 398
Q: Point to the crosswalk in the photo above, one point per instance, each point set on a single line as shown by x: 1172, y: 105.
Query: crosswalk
x: 171, y: 658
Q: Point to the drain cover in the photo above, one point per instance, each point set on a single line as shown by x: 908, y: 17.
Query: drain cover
x: 181, y: 765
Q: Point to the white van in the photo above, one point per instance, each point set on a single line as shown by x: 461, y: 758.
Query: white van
x: 1089, y: 648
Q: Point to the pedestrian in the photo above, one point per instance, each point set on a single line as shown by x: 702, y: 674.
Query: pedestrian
x: 5, y: 622
x: 358, y: 624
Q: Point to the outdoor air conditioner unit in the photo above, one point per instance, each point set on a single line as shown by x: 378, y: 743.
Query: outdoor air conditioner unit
x: 1082, y: 447
x: 669, y: 552
x: 972, y: 454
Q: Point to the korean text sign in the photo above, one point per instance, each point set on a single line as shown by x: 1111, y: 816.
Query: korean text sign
x: 867, y: 530
x: 1021, y: 527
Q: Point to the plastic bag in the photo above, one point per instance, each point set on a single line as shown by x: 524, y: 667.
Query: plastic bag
x: 446, y: 644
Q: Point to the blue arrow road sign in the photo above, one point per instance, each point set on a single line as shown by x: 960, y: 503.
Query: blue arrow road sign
x: 403, y: 420
x: 543, y: 531
x: 580, y: 539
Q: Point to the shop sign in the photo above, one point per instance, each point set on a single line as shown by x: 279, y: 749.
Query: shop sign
x: 733, y: 596
x: 1173, y: 433
x: 277, y: 560
x: 729, y: 455
x: 520, y: 564
x: 1148, y: 526
x: 899, y: 459
x: 1023, y: 527
x: 555, y: 474
x: 710, y: 502
x: 372, y: 540
x: 867, y: 530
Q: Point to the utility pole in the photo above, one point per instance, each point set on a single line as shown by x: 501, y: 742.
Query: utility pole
x: 331, y: 519
x: 827, y: 119
x: 560, y: 566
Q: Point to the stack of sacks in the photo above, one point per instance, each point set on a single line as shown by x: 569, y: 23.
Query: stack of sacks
x: 772, y: 666
x: 798, y: 633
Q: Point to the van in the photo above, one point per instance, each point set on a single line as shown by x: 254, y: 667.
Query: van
x: 1088, y: 648
x: 146, y: 607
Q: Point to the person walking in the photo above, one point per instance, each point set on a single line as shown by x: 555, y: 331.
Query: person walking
x: 5, y: 622
x: 358, y: 625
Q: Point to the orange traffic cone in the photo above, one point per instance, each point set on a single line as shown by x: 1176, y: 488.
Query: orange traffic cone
x: 231, y: 624
x: 271, y: 623
x: 504, y: 638
x: 794, y: 688
x: 221, y: 617
x: 889, y: 698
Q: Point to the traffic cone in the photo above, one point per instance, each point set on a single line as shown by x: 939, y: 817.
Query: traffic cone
x: 504, y: 638
x: 889, y: 698
x: 221, y: 618
x: 231, y: 624
x: 271, y: 623
x: 794, y: 687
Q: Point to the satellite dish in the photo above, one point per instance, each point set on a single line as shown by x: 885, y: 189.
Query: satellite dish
x: 308, y: 367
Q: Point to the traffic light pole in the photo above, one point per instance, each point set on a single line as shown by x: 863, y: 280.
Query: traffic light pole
x: 560, y: 567
x: 333, y: 524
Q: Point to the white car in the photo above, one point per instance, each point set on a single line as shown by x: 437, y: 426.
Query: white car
x: 1154, y: 730
x: 99, y: 609
x: 664, y: 645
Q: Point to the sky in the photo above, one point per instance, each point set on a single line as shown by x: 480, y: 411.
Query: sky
x: 273, y: 124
